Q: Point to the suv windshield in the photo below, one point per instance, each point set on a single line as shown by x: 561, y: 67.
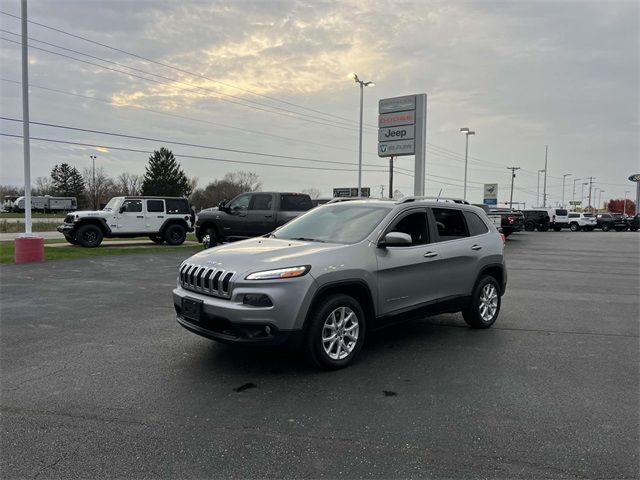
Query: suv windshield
x: 111, y: 205
x: 337, y: 223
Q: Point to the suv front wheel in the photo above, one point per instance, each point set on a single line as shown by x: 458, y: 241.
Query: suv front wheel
x: 336, y: 332
x: 485, y: 304
x: 89, y: 236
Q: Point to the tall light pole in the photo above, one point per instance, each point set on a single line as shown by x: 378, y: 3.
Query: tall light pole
x: 362, y: 85
x: 538, y: 191
x: 25, y: 122
x: 95, y: 192
x: 624, y: 209
x: 544, y: 194
x: 582, y: 195
x: 466, y: 132
x: 574, y: 192
x: 564, y: 176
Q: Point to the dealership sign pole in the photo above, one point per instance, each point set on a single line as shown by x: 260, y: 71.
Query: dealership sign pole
x: 636, y: 178
x: 402, y: 130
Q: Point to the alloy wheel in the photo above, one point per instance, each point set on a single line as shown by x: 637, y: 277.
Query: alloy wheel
x: 340, y: 333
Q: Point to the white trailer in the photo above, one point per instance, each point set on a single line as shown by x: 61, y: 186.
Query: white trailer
x: 47, y: 204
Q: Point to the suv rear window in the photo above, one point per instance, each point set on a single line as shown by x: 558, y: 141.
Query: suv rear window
x: 561, y: 213
x: 295, y: 203
x: 475, y: 224
x: 177, y: 205
x: 450, y: 224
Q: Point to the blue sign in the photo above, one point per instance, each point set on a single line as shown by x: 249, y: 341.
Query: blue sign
x: 491, y: 201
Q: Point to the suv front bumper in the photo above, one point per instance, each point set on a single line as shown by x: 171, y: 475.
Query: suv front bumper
x: 67, y: 229
x: 233, y: 321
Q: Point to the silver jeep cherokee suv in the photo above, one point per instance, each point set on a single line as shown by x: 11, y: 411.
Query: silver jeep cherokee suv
x: 334, y: 272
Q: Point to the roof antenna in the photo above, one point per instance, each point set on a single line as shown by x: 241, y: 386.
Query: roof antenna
x: 439, y: 193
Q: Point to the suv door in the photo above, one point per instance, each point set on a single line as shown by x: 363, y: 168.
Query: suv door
x: 154, y: 215
x: 409, y: 276
x: 235, y: 222
x: 260, y: 216
x: 460, y: 252
x: 130, y: 217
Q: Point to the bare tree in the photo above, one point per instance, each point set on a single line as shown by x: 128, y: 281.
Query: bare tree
x: 128, y: 184
x: 231, y: 185
x: 102, y: 190
x: 312, y: 192
x: 42, y: 186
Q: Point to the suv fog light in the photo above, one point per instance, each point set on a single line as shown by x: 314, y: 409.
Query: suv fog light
x: 257, y: 300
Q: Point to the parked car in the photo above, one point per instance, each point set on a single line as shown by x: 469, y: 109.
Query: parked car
x: 607, y: 221
x: 634, y: 223
x: 581, y: 221
x: 249, y: 215
x: 162, y: 219
x: 536, y: 220
x: 328, y: 276
x: 558, y: 218
x: 511, y: 220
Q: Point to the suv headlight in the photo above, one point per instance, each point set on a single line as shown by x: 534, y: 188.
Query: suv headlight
x: 290, y: 272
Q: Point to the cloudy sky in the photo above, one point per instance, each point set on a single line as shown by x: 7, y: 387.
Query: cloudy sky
x: 270, y: 78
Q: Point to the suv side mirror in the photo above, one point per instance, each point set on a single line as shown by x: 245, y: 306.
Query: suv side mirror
x: 123, y: 208
x: 396, y: 239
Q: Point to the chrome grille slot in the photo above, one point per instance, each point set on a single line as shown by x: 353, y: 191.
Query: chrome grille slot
x: 206, y: 280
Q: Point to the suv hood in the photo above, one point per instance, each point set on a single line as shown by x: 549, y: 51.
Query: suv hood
x: 262, y: 254
x: 91, y: 213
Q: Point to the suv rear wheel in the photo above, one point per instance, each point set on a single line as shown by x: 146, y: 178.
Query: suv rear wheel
x: 336, y: 332
x: 485, y: 304
x: 89, y: 236
x: 530, y: 226
x: 574, y: 227
x: 175, y: 234
x: 606, y: 227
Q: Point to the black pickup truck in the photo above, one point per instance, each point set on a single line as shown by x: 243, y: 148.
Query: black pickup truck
x: 249, y: 215
x: 512, y: 220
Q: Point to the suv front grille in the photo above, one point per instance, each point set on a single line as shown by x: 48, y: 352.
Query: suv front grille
x: 68, y: 219
x: 210, y: 281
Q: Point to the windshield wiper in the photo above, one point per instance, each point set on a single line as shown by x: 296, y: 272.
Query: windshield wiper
x: 305, y: 239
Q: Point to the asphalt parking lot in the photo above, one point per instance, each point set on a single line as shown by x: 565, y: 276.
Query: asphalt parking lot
x: 99, y: 381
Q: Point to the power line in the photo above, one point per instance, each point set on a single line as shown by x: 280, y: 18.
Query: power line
x: 173, y: 67
x: 197, y: 157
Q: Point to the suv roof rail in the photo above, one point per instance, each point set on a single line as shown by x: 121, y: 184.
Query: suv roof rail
x: 437, y: 199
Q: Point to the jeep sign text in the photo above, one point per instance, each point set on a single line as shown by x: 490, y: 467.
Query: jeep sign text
x: 396, y: 133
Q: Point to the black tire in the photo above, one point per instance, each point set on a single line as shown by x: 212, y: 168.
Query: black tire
x: 323, y: 311
x: 210, y: 238
x: 634, y: 229
x: 472, y: 315
x: 574, y: 227
x: 529, y: 226
x: 89, y: 236
x: 620, y: 229
x: 156, y: 239
x: 606, y: 227
x: 175, y: 234
x: 557, y: 229
x: 71, y: 240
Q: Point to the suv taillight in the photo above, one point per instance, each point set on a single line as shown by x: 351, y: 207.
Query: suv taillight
x: 511, y: 219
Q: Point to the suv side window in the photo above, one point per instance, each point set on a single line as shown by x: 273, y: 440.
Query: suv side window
x: 574, y: 215
x: 450, y: 224
x: 295, y: 203
x: 177, y: 205
x: 415, y: 225
x: 240, y: 204
x: 475, y: 224
x: 134, y: 206
x: 154, y: 206
x: 261, y: 201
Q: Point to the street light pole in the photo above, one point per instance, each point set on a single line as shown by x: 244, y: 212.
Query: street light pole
x: 563, y: 179
x: 466, y: 132
x: 362, y: 85
x: 538, y: 191
x: 582, y: 195
x: 544, y: 194
x: 95, y: 193
x: 624, y: 209
x: 574, y: 193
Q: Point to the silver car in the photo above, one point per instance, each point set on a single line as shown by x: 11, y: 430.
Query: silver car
x: 328, y: 276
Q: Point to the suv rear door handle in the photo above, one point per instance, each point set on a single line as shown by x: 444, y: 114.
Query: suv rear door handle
x: 139, y: 216
x: 268, y: 216
x: 430, y: 254
x: 160, y: 216
x: 476, y: 247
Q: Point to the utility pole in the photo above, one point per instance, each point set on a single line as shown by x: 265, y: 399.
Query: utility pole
x: 544, y: 194
x: 25, y: 122
x: 95, y: 192
x: 591, y: 179
x: 563, y: 179
x: 513, y: 176
x: 538, y: 191
x: 391, y: 176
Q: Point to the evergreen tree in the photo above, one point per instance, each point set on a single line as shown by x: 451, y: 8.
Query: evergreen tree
x: 67, y: 181
x: 164, y: 176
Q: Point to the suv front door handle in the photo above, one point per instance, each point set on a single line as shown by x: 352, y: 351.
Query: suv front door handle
x: 476, y: 247
x: 268, y: 216
x: 430, y: 254
x: 139, y: 216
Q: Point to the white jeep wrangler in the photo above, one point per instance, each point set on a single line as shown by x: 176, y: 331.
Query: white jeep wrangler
x: 162, y: 219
